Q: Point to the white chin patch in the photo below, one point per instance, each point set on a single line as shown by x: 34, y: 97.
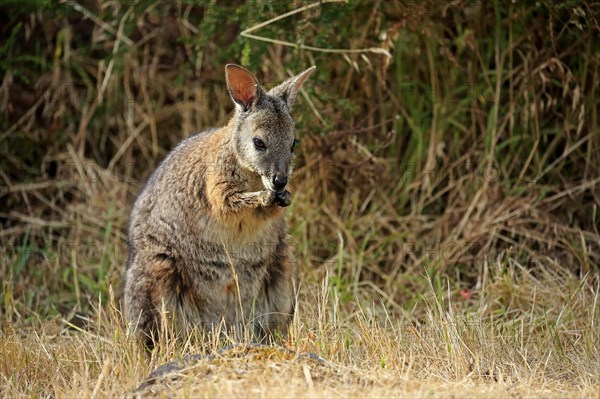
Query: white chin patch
x: 267, y: 183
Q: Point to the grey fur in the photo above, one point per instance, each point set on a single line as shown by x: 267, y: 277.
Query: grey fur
x: 207, y: 238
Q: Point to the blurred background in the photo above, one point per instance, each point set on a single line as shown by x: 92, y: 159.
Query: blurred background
x: 439, y: 139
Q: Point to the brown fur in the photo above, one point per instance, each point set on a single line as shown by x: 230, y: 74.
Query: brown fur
x: 207, y: 237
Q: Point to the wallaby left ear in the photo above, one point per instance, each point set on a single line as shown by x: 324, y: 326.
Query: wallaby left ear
x: 243, y: 86
x: 288, y: 90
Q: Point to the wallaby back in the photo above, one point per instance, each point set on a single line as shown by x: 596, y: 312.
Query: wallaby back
x: 207, y: 238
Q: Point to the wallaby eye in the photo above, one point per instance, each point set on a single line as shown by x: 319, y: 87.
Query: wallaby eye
x: 259, y: 144
x: 296, y: 142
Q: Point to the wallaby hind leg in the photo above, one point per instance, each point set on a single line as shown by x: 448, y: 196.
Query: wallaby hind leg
x: 280, y: 295
x: 148, y: 291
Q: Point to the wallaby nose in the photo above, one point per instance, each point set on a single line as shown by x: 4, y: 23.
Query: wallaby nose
x: 280, y: 182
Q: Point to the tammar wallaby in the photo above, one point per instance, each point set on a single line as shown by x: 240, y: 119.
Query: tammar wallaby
x: 207, y: 237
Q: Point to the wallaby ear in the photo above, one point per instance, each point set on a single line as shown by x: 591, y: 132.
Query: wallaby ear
x: 288, y: 90
x: 243, y: 86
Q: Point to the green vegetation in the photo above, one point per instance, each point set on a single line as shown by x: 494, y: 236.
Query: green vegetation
x: 446, y: 193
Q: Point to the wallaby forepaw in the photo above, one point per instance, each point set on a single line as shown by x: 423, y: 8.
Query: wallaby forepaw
x: 284, y: 198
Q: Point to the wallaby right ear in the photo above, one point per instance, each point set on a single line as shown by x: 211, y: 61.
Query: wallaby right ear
x: 288, y: 90
x: 243, y: 86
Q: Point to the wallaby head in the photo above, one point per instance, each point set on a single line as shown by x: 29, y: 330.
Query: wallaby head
x: 263, y: 127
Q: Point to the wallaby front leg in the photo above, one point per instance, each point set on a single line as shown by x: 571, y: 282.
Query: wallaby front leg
x: 239, y: 201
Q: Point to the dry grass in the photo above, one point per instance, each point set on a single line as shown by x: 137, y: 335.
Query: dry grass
x: 446, y: 196
x: 546, y: 345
